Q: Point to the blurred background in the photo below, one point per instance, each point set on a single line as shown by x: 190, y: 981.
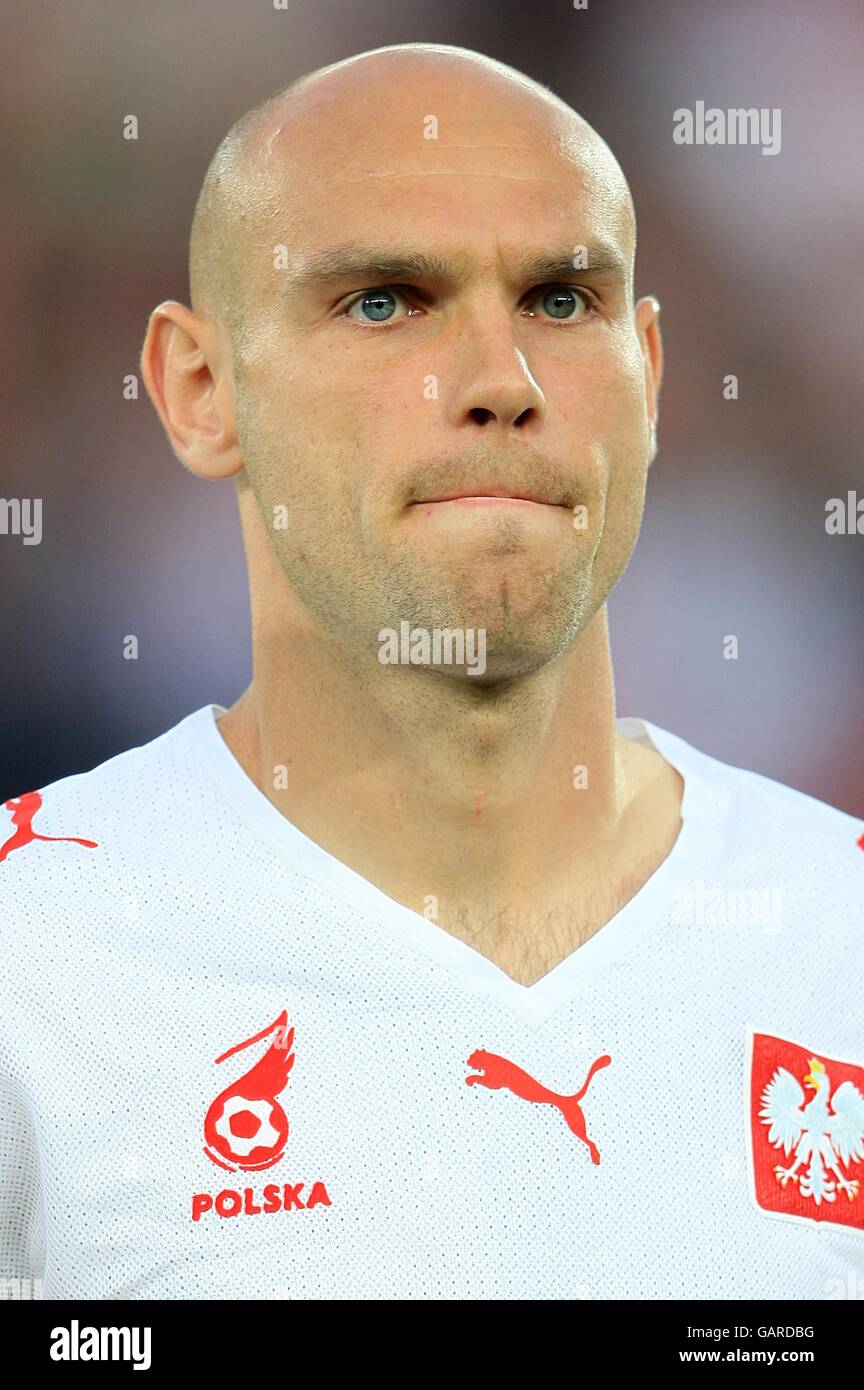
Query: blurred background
x: 756, y: 260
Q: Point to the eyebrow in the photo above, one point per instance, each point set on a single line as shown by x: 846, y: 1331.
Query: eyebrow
x: 371, y: 266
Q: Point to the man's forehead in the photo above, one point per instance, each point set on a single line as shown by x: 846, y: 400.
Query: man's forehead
x: 391, y: 163
x: 392, y: 114
x: 402, y: 141
x: 374, y: 183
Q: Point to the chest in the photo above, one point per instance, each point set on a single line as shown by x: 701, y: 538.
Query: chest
x: 425, y: 1150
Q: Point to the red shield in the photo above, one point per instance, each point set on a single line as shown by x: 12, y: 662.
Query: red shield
x: 805, y: 1131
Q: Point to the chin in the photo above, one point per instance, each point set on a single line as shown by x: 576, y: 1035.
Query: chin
x: 509, y: 661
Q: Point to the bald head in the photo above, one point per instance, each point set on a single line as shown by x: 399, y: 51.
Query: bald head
x: 349, y: 118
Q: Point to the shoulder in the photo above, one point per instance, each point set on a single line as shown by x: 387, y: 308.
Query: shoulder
x: 65, y: 836
x: 763, y: 832
x: 85, y: 862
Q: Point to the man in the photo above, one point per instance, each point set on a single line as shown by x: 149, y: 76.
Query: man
x: 418, y: 973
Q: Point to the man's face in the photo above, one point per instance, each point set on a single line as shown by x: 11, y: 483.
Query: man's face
x: 367, y: 397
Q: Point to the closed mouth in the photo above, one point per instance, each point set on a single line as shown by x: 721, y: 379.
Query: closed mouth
x: 491, y: 494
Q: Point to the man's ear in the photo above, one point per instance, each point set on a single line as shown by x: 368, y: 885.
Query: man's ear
x: 184, y: 366
x: 647, y: 316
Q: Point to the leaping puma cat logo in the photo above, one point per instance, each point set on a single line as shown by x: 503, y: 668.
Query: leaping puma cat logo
x: 23, y: 808
x: 499, y: 1072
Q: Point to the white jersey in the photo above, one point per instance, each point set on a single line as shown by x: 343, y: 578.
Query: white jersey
x: 231, y: 1067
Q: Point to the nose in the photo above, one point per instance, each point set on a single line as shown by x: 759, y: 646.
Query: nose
x: 493, y: 383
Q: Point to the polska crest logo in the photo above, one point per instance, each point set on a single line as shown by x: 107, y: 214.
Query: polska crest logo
x: 805, y: 1128
x: 246, y: 1127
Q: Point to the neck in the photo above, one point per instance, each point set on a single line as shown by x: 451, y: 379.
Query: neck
x: 430, y: 786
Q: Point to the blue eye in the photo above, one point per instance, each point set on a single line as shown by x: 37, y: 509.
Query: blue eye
x: 378, y: 304
x: 561, y: 301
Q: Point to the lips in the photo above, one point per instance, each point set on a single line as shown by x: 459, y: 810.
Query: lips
x: 490, y: 494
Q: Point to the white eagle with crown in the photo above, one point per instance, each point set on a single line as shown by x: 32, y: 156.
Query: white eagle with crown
x: 825, y: 1132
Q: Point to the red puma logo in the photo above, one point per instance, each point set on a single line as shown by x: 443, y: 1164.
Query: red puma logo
x: 23, y: 810
x: 500, y: 1072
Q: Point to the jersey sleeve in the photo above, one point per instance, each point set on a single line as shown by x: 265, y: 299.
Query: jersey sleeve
x: 22, y: 1218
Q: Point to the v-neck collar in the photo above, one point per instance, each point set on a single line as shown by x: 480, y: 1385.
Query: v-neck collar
x: 534, y: 1003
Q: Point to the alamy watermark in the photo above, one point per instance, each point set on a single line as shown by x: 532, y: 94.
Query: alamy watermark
x: 704, y: 906
x: 737, y: 126
x: 845, y: 518
x: 20, y: 1287
x: 21, y: 516
x: 442, y: 646
x: 77, y: 1343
